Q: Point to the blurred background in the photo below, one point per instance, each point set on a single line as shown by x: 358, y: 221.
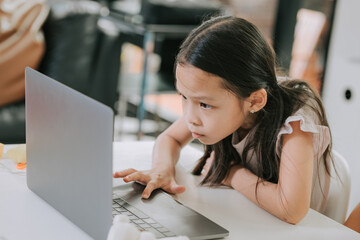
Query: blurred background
x: 97, y: 48
x: 121, y: 53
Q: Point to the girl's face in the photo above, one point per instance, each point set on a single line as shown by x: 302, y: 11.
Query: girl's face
x: 210, y: 111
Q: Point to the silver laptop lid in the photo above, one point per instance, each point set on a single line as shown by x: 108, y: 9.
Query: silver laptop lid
x: 69, y: 152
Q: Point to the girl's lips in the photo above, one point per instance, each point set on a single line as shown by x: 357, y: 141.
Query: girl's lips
x: 196, y: 135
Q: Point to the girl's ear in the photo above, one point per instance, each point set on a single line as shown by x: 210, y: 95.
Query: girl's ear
x: 258, y: 100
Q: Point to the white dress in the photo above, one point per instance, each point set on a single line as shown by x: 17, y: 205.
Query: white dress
x: 309, y: 122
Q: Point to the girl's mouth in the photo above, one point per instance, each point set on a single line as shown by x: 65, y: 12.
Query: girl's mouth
x: 196, y: 135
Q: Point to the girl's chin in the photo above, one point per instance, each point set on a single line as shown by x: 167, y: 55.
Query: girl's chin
x: 207, y: 141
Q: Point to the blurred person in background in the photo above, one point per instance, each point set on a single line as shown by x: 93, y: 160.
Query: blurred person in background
x: 21, y: 45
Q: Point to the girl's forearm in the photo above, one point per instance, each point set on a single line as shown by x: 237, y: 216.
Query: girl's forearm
x: 289, y: 198
x: 168, y: 145
x: 269, y: 196
x: 166, y: 152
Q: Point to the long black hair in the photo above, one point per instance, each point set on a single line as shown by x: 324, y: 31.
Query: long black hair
x: 234, y: 49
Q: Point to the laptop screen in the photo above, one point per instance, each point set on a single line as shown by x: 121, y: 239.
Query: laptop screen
x: 69, y: 152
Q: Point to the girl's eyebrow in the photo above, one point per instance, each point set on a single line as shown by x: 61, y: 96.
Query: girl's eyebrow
x: 202, y: 98
x: 197, y: 97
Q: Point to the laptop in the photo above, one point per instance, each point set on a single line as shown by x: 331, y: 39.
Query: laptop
x: 69, y: 139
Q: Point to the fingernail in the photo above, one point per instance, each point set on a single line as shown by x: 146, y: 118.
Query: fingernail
x: 145, y: 195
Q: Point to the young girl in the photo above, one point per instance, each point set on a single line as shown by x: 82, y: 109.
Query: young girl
x: 268, y: 140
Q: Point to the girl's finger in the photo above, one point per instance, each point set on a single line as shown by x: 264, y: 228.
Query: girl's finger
x: 207, y: 164
x: 150, y: 187
x: 211, y: 158
x: 138, y: 177
x: 124, y: 173
x: 176, y: 188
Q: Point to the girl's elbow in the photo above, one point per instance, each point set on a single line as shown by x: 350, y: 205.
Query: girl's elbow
x: 295, y: 219
x: 293, y: 215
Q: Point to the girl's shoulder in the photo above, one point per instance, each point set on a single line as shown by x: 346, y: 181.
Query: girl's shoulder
x: 310, y: 121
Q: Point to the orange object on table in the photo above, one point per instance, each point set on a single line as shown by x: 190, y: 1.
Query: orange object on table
x: 21, y: 166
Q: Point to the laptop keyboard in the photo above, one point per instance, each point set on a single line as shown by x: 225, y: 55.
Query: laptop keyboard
x: 142, y: 221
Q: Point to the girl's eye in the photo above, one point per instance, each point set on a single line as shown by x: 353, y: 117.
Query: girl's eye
x: 183, y: 97
x: 205, y: 106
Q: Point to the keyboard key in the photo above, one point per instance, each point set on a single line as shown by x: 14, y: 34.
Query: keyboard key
x: 136, y: 212
x: 144, y: 225
x: 149, y: 220
x: 119, y: 201
x: 133, y: 217
x: 127, y: 213
x: 155, y: 225
x: 162, y: 229
x: 156, y: 233
x: 169, y: 234
x: 138, y: 221
x: 146, y: 228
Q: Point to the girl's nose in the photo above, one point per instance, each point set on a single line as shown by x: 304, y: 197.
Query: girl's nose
x: 191, y: 116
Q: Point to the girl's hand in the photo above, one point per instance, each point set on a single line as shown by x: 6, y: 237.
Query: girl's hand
x: 207, y: 166
x: 153, y: 179
x: 229, y: 177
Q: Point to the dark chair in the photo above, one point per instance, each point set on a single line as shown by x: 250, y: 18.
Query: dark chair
x: 81, y: 53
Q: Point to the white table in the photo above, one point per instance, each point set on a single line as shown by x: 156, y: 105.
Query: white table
x: 23, y: 215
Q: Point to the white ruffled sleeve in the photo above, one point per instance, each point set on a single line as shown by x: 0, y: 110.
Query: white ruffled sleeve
x: 309, y: 122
